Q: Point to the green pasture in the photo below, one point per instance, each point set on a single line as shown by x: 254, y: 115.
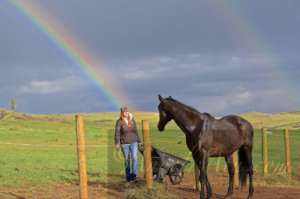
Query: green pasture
x: 41, y: 149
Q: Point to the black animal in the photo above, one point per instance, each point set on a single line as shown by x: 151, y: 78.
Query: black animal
x: 209, y: 137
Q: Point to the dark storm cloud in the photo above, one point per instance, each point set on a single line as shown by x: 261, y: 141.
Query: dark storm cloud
x: 217, y: 84
x: 197, y: 51
x: 143, y: 28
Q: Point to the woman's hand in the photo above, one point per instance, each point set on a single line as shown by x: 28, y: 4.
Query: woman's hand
x: 117, y: 146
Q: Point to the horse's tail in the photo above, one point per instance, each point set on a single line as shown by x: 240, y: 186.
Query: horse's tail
x: 243, y: 166
x: 245, y: 159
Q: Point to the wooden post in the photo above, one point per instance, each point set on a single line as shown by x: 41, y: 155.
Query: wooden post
x: 287, y: 153
x: 81, y: 157
x: 197, y: 174
x: 236, y: 168
x: 265, y: 151
x: 147, y: 155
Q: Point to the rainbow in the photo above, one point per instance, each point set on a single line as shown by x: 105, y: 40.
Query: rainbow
x: 74, y: 50
x: 252, y: 40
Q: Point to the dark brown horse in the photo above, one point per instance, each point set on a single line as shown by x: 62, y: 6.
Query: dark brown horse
x: 209, y: 137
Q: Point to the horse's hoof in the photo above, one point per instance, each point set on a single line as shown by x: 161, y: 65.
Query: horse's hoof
x: 228, y: 196
x: 209, y: 196
x: 250, y: 195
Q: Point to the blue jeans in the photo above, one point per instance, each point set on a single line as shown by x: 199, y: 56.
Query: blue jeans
x: 130, y: 151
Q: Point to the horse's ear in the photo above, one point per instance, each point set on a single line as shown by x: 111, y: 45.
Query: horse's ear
x: 160, y: 98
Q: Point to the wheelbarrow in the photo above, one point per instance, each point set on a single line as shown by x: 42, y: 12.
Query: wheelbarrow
x: 166, y: 164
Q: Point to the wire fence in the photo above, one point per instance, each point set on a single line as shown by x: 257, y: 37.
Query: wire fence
x: 104, y: 157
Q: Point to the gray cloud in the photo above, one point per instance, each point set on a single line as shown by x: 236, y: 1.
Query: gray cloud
x: 218, y: 84
x: 52, y: 87
x: 220, y: 60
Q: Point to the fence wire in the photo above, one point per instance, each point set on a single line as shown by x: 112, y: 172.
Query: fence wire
x: 275, y: 149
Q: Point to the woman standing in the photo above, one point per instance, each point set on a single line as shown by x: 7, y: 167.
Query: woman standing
x: 126, y: 137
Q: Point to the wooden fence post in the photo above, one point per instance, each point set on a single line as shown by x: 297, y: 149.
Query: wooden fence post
x: 265, y: 152
x: 147, y: 154
x: 287, y: 153
x: 236, y: 168
x: 81, y: 157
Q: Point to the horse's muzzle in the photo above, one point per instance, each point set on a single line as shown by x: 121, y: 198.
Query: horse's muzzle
x: 160, y: 128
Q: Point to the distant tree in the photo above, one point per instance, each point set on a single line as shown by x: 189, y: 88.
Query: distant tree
x: 13, y: 104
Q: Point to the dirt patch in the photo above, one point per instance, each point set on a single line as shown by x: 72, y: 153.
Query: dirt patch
x: 219, y: 186
x: 10, y: 196
x: 118, y: 188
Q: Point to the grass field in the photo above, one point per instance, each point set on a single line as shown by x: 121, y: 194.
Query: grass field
x: 41, y: 149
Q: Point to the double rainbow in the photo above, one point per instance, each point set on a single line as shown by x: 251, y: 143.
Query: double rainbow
x: 101, y: 77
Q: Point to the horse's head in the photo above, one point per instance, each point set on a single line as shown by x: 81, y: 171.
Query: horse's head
x: 164, y: 116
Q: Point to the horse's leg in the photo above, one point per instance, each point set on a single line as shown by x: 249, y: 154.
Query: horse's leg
x: 203, y: 173
x: 230, y: 167
x: 208, y: 187
x: 201, y: 179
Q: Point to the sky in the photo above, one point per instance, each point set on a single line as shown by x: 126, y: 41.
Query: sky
x: 221, y: 57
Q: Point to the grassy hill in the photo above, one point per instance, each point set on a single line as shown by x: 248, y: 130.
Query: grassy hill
x: 274, y: 120
x: 40, y: 149
x: 258, y: 119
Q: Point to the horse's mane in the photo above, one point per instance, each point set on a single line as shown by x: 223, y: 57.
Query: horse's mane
x: 189, y: 107
x: 182, y: 104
